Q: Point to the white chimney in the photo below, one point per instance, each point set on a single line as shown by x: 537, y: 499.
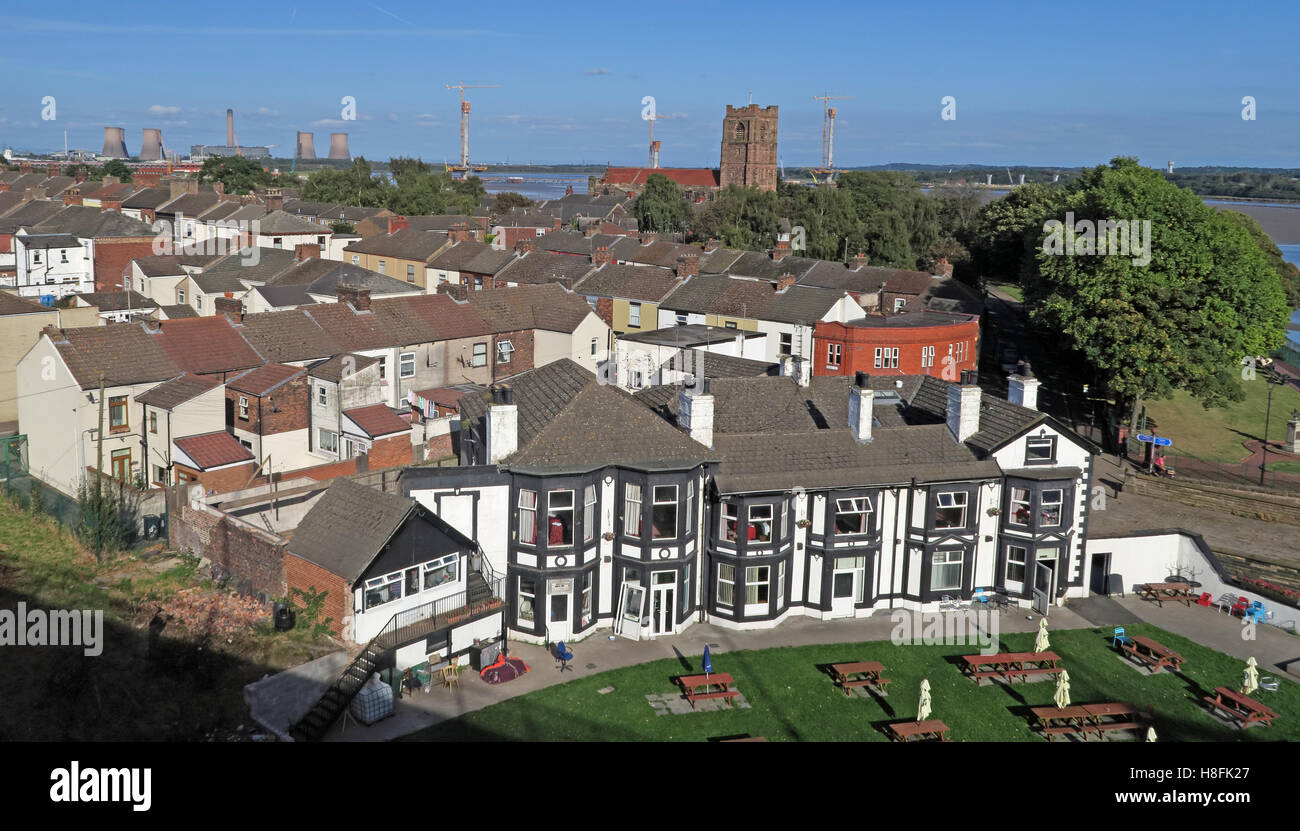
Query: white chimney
x: 695, y: 412
x: 964, y: 407
x: 502, y: 425
x: 1022, y: 387
x: 861, y: 409
x: 793, y: 366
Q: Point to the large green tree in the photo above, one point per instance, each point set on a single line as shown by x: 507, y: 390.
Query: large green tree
x: 1006, y: 233
x: 1287, y: 271
x: 745, y: 218
x: 661, y: 206
x: 1207, y: 297
x: 236, y: 173
x: 118, y: 168
x: 355, y: 185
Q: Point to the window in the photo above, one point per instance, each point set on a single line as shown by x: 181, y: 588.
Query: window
x: 1040, y: 449
x: 559, y: 518
x: 1016, y: 556
x: 63, y: 255
x: 686, y: 589
x: 320, y: 394
x: 726, y: 585
x: 785, y: 519
x: 634, y: 379
x: 412, y: 581
x: 891, y: 356
x: 757, y: 586
x: 586, y: 598
x: 852, y: 515
x: 780, y: 585
x: 945, y: 571
x: 632, y: 510
x: 117, y: 418
x: 634, y: 315
x: 950, y: 510
x: 681, y: 320
x: 180, y: 295
x: 356, y: 259
x: 833, y: 353
x: 383, y: 267
x: 528, y: 517
x: 899, y: 303
x: 663, y: 519
x: 480, y: 355
x: 1020, y: 511
x: 589, y: 513
x: 410, y: 274
x: 383, y: 370
x: 730, y: 324
x: 406, y: 365
x: 383, y: 590
x: 690, y: 502
x: 527, y: 599
x: 198, y: 302
x: 504, y: 348
x: 478, y: 283
x: 787, y: 343
x: 440, y: 571
x: 760, y: 523
x: 594, y: 345
x: 277, y: 242
x: 927, y: 356
x: 878, y: 364
x: 728, y: 529
x: 320, y: 241
x: 36, y: 257
x: 159, y: 475
x: 1051, y: 507
x: 329, y: 441
x: 243, y: 407
x: 153, y: 422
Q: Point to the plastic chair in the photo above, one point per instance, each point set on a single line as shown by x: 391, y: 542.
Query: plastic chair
x: 564, y: 654
x: 946, y: 602
x: 1226, y: 602
x: 1204, y: 599
x: 983, y: 597
x: 1268, y: 683
x: 1119, y: 637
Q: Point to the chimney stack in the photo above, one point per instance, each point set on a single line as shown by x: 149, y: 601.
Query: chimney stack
x: 306, y: 251
x: 273, y: 199
x: 526, y: 245
x: 964, y: 407
x: 502, y: 424
x: 111, y: 205
x: 306, y: 148
x: 861, y: 401
x: 356, y: 296
x: 695, y: 412
x: 780, y: 252
x: 339, y: 146
x: 793, y: 366
x: 230, y: 307
x: 648, y: 237
x: 859, y: 261
x: 688, y: 265
x: 397, y: 223
x: 600, y: 256
x: 1022, y: 387
x: 784, y: 282
x: 556, y: 223
x: 461, y: 233
x: 151, y: 146
x: 72, y: 196
x: 943, y: 268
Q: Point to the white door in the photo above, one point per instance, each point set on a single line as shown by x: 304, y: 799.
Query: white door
x: 559, y: 610
x: 844, y: 591
x: 662, y: 603
x: 631, y: 605
x: 1044, y: 585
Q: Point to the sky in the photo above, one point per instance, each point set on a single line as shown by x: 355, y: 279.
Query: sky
x: 1033, y: 84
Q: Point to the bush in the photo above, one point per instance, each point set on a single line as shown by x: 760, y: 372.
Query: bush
x: 310, y: 611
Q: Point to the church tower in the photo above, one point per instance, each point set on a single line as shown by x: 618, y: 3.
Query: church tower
x: 749, y: 147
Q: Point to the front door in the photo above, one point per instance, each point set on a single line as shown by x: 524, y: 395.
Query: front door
x: 631, y: 605
x: 661, y: 602
x: 844, y: 590
x: 121, y: 465
x: 559, y: 615
x: 1044, y: 585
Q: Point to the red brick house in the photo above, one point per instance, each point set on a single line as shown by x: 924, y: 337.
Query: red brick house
x: 217, y: 461
x: 941, y: 344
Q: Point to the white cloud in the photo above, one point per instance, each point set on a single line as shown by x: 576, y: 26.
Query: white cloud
x: 598, y: 71
x: 161, y: 109
x: 328, y: 122
x: 267, y: 111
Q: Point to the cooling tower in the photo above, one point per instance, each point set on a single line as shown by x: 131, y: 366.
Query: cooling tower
x: 230, y: 128
x: 151, y: 149
x: 306, y: 146
x: 114, y: 143
x: 339, y: 146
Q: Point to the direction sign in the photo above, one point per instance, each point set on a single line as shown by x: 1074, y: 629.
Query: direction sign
x: 1158, y: 441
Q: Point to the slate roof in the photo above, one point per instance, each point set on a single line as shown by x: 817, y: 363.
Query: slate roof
x: 348, y: 526
x: 763, y: 404
x: 125, y: 354
x: 289, y: 336
x: 574, y: 242
x: 279, y: 222
x: 540, y: 394
x: 49, y: 240
x: 325, y: 277
x: 113, y: 301
x: 188, y: 204
x: 867, y: 279
x: 550, y: 306
x: 93, y: 223
x: 659, y: 252
x: 406, y: 244
x: 711, y: 365
x: 264, y: 379
x: 761, y: 266
x: 215, y: 449
x: 909, y: 320
x: 178, y: 311
x: 489, y: 261
x: 285, y: 296
x: 376, y: 420
x: 170, y: 394
x: 13, y: 305
x: 31, y: 212
x: 1000, y: 420
x: 537, y: 267
x: 456, y: 256
x: 693, y: 334
x: 755, y: 299
x: 271, y: 262
x: 207, y: 344
x: 386, y: 324
x: 445, y: 222
x: 331, y: 369
x: 630, y: 282
x: 148, y: 198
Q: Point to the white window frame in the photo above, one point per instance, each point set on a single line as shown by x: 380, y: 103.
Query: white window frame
x: 634, y: 315
x: 859, y: 505
x: 589, y: 513
x: 1021, y: 563
x: 1049, y: 441
x: 632, y: 496
x: 1044, y: 505
x: 729, y: 511
x: 327, y: 438
x: 946, y: 563
x: 410, y: 273
x: 954, y: 502
x: 892, y: 355
x: 780, y: 585
x: 477, y: 358
x: 879, y: 358
x: 726, y: 589
x: 449, y: 563
x: 397, y: 578
x: 504, y: 348
x: 834, y: 354
x: 243, y: 407
x: 405, y: 362
x: 529, y: 616
x: 752, y: 520
x: 530, y: 529
x: 322, y: 397
x: 927, y: 356
x: 758, y: 580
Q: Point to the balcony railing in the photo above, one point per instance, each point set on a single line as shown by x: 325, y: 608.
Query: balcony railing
x: 482, y: 595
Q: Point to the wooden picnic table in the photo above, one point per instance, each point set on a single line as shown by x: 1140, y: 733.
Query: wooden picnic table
x: 701, y: 686
x: 1011, y: 665
x: 908, y: 730
x: 1160, y: 592
x: 858, y: 674
x: 1153, y: 653
x: 1082, y: 719
x: 1245, y: 710
x: 1060, y: 721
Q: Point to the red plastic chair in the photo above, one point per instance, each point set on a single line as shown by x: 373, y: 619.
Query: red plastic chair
x: 1204, y: 599
x: 1240, y: 606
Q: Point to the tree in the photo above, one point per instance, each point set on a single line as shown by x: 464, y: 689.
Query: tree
x: 739, y: 217
x: 661, y: 206
x: 342, y: 228
x: 1006, y: 232
x: 1287, y: 271
x: 354, y: 185
x: 236, y: 173
x: 899, y: 223
x: 1183, y: 321
x: 832, y: 230
x: 118, y: 168
x: 508, y: 200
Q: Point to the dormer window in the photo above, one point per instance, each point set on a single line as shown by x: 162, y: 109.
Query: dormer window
x: 1040, y: 450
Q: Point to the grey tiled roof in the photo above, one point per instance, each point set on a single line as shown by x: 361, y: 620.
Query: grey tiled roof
x: 537, y: 267
x: 406, y: 244
x: 347, y: 527
x: 713, y: 365
x: 763, y: 404
x: 629, y: 282
x: 169, y: 394
x: 1000, y: 420
x: 92, y: 223
x: 763, y: 267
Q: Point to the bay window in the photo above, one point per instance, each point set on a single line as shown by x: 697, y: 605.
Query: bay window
x: 1050, y: 504
x: 586, y: 598
x: 757, y: 586
x: 631, y: 510
x: 690, y: 502
x: 780, y: 585
x: 559, y: 518
x: 1020, y: 512
x: 728, y: 514
x: 726, y: 585
x: 760, y: 523
x: 589, y: 513
x: 945, y: 571
x: 527, y: 600
x: 852, y: 515
x: 528, y: 517
x: 663, y: 519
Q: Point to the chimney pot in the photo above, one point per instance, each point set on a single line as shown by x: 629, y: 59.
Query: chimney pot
x: 695, y: 412
x: 502, y: 424
x: 357, y: 296
x: 600, y: 256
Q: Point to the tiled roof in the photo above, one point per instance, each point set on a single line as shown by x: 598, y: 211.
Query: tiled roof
x: 347, y: 527
x: 148, y: 198
x: 540, y: 394
x: 188, y: 204
x: 93, y: 223
x: 48, y: 240
x: 536, y: 267
x: 211, y: 450
x: 386, y: 324
x: 279, y: 222
x: 1000, y: 420
x: 207, y: 344
x: 489, y: 262
x: 711, y: 365
x: 449, y: 318
x: 284, y: 297
x: 762, y: 267
x: 573, y: 242
x: 698, y: 177
x: 406, y: 244
x: 271, y: 262
x: 113, y: 301
x: 124, y: 354
x: 264, y: 379
x: 331, y: 369
x: 659, y: 252
x: 629, y: 282
x: 457, y: 255
x: 447, y: 222
x: 549, y: 306
x: 763, y: 404
x: 31, y: 212
x: 376, y: 420
x: 13, y: 305
x: 170, y: 394
x: 177, y: 311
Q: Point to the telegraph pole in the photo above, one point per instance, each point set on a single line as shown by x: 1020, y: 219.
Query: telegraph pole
x: 99, y: 472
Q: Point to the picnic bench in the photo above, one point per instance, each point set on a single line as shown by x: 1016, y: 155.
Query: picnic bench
x: 1084, y: 719
x: 1160, y: 592
x: 1060, y: 721
x: 1154, y: 654
x: 697, y: 687
x: 908, y: 730
x: 1011, y: 665
x: 1245, y: 710
x: 858, y: 674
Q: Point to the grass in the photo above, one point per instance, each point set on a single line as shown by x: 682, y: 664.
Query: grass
x: 1012, y: 290
x: 1217, y: 434
x: 792, y: 700
x: 1284, y: 467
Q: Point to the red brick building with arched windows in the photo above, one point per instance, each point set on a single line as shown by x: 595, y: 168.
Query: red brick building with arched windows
x: 913, y: 343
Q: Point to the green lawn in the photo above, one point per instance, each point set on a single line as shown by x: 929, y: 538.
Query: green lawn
x: 794, y: 701
x: 1284, y: 467
x: 1012, y: 290
x: 1217, y: 434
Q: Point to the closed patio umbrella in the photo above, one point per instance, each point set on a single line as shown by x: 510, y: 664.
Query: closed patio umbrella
x: 1062, y: 696
x: 1250, y: 679
x: 923, y: 709
x: 1151, y: 734
x: 1040, y: 643
x: 708, y: 662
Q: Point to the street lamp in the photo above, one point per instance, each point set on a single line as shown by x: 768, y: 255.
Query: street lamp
x: 1274, y: 380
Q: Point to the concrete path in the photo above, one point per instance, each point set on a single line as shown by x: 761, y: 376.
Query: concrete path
x: 597, y: 654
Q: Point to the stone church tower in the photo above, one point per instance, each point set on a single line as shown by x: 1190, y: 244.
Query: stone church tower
x: 749, y: 147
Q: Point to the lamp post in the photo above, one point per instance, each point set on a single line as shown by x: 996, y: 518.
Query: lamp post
x: 1274, y: 380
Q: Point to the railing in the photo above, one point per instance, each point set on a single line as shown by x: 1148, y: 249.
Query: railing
x: 443, y: 607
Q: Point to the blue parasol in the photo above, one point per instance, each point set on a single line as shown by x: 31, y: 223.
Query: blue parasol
x: 708, y: 662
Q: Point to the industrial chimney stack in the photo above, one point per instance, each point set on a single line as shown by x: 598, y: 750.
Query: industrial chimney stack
x: 151, y: 149
x: 306, y: 148
x: 339, y: 146
x: 230, y: 128
x: 115, y: 143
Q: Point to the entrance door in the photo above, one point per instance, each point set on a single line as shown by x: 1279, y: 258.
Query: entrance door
x: 1044, y: 585
x: 1100, y: 567
x: 559, y: 617
x: 661, y: 602
x: 631, y: 605
x: 844, y: 589
x: 121, y: 465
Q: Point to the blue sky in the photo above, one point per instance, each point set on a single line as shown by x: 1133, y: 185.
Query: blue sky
x: 1066, y: 84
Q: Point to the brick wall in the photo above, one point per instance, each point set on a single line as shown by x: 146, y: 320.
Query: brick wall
x: 224, y: 480
x: 300, y: 574
x: 520, y: 360
x: 251, y: 559
x: 113, y: 256
x: 439, y: 447
x: 605, y: 310
x: 390, y: 452
x: 292, y: 399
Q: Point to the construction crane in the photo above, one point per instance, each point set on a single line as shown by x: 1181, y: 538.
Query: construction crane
x: 828, y: 135
x: 464, y: 165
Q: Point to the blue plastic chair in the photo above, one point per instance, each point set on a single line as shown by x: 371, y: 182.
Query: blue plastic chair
x: 1120, y: 637
x: 982, y: 596
x: 565, y: 655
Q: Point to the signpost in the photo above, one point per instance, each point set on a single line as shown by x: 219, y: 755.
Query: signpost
x: 1158, y: 441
